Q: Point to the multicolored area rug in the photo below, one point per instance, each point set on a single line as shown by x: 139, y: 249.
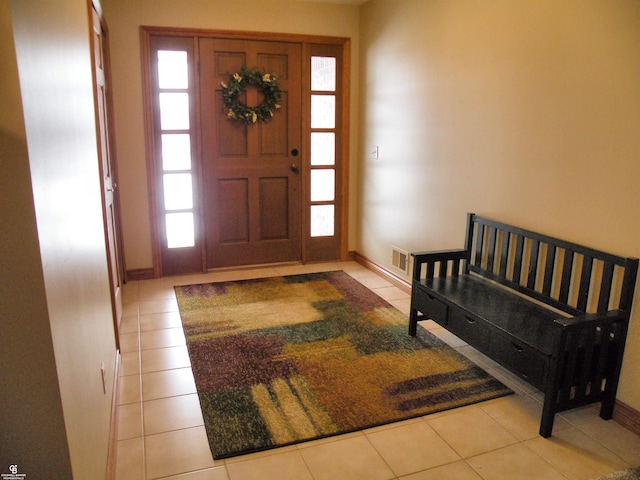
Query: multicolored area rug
x: 288, y: 359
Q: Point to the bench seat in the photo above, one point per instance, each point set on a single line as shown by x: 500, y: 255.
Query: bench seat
x: 501, y: 309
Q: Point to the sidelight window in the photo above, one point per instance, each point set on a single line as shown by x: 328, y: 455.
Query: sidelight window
x: 174, y: 100
x: 323, y: 146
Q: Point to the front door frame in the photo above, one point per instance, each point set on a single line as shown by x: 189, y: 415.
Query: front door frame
x: 307, y: 42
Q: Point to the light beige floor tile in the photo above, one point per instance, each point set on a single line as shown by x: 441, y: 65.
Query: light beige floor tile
x: 302, y: 269
x: 130, y: 460
x: 512, y: 381
x: 358, y: 272
x: 180, y: 451
x: 391, y: 293
x: 129, y: 390
x: 477, y: 357
x: 429, y: 325
x: 155, y: 292
x: 129, y: 342
x: 128, y: 324
x: 167, y: 337
x: 582, y: 415
x: 284, y: 466
x: 404, y: 305
x: 165, y: 359
x: 322, y: 441
x: 411, y: 448
x: 514, y: 462
x: 172, y: 413
x: 577, y: 455
x: 194, y: 279
x: 260, y: 454
x: 449, y: 338
x: 614, y: 436
x: 167, y: 383
x: 521, y: 415
x: 216, y: 473
x: 130, y: 309
x: 130, y: 292
x: 453, y: 471
x: 159, y: 306
x: 389, y: 426
x: 353, y: 458
x: 130, y: 421
x: 246, y: 274
x: 471, y: 432
x: 156, y: 321
x: 129, y: 364
x: 374, y: 282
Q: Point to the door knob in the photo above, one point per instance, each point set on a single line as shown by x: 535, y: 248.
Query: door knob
x: 295, y: 168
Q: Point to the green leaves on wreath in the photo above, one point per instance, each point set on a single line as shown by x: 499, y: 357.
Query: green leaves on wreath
x: 238, y: 82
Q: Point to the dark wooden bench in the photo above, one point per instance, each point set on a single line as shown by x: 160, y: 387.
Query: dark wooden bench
x: 553, y: 312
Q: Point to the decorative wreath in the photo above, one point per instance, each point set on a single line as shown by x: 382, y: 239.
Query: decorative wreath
x: 231, y: 92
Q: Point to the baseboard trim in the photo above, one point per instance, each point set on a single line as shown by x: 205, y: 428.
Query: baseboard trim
x: 140, y: 274
x: 399, y: 282
x: 113, y: 429
x: 627, y: 417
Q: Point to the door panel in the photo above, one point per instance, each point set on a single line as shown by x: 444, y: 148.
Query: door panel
x: 274, y: 218
x: 233, y: 200
x: 251, y: 181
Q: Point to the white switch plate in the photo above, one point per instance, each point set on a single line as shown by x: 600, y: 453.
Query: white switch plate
x: 375, y: 153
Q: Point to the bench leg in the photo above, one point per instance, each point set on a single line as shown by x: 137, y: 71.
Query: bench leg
x: 606, y: 409
x: 413, y: 322
x: 546, y: 425
x: 548, y: 412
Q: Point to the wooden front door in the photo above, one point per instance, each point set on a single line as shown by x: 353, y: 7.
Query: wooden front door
x: 251, y: 173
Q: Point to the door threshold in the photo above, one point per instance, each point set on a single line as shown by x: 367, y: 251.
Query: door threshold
x: 252, y: 267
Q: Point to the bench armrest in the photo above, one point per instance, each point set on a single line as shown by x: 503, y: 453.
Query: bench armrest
x: 443, y: 257
x: 593, y: 319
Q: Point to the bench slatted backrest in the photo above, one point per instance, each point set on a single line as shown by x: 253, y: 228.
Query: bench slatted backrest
x: 570, y: 277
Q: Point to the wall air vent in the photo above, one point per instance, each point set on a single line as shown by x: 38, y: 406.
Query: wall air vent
x: 400, y: 259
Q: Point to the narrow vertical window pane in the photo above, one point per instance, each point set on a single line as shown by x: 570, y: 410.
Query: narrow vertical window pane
x: 174, y: 111
x: 173, y: 70
x: 323, y: 185
x: 180, y: 230
x: 323, y: 74
x: 322, y: 220
x: 323, y: 148
x: 176, y: 151
x: 178, y: 191
x: 323, y: 111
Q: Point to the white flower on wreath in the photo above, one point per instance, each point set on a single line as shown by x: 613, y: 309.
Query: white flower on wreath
x: 230, y: 114
x: 254, y: 117
x: 224, y: 85
x: 266, y: 77
x: 237, y: 77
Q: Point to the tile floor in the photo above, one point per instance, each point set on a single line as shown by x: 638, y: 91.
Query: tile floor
x: 161, y: 433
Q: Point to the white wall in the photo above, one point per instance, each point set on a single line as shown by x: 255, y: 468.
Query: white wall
x: 60, y: 329
x: 125, y: 18
x: 524, y: 111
